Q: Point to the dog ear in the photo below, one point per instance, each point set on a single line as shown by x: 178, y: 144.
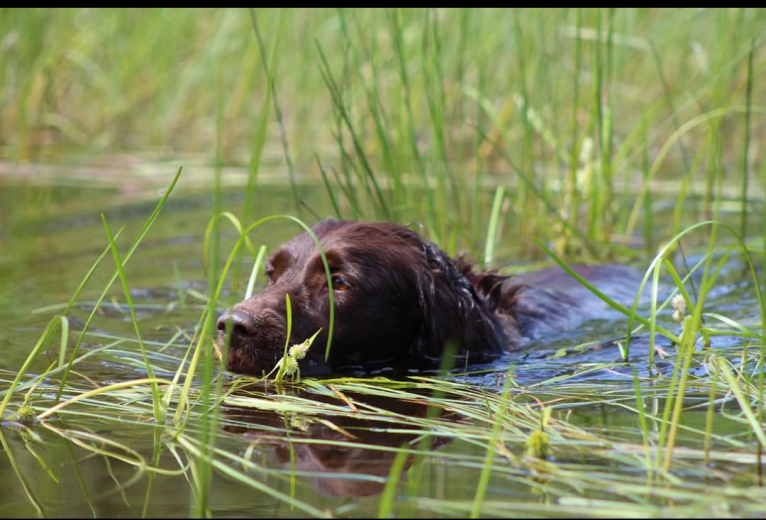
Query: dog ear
x: 453, y: 310
x: 493, y: 288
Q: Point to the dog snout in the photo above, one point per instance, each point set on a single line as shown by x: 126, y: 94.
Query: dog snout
x: 244, y: 327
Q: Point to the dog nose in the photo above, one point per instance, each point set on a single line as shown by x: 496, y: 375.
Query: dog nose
x: 243, y: 326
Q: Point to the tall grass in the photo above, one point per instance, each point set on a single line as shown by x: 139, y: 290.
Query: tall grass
x: 399, y: 84
x: 420, y: 116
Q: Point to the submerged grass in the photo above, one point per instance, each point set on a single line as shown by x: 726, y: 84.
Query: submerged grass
x: 585, y: 462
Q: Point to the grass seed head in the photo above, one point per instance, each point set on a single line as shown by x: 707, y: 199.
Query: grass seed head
x: 538, y: 444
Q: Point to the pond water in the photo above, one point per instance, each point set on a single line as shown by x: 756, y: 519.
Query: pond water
x: 50, y: 236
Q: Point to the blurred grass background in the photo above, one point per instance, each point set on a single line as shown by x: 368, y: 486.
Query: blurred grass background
x: 593, y: 120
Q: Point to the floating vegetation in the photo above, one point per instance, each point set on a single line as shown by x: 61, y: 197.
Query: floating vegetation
x: 525, y: 135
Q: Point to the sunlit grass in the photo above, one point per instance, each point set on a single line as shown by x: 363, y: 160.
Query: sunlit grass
x: 544, y: 133
x: 406, y: 104
x: 502, y: 423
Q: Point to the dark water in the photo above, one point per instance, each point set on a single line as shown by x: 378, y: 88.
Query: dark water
x: 49, y: 237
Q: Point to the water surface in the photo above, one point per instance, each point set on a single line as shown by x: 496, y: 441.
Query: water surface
x: 49, y: 237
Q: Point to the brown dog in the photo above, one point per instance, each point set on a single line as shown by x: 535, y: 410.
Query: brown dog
x: 400, y: 302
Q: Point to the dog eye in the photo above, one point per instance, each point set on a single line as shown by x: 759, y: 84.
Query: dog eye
x: 339, y: 284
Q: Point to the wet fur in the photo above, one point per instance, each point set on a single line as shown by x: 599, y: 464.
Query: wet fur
x: 408, y: 303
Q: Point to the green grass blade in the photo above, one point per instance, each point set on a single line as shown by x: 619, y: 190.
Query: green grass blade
x: 156, y: 403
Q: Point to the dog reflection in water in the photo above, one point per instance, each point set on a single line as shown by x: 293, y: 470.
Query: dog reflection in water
x: 344, y: 452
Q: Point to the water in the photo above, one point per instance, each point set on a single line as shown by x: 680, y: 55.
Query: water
x: 49, y: 237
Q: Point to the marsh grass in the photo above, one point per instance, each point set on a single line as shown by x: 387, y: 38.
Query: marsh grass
x: 503, y: 424
x: 457, y: 120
